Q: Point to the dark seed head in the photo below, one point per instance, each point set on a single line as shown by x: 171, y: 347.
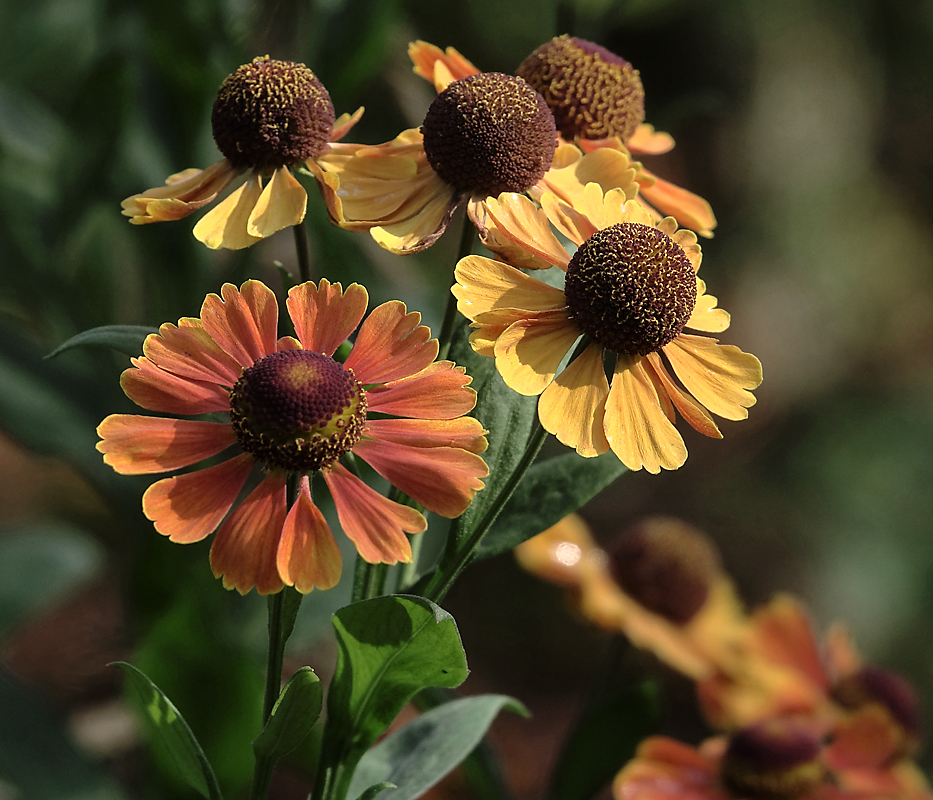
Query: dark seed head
x: 631, y: 288
x: 297, y: 410
x: 271, y: 114
x: 888, y: 689
x: 592, y: 92
x: 489, y: 133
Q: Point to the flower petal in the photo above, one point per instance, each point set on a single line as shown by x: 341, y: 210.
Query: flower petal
x: 225, y: 224
x: 184, y: 193
x: 344, y: 123
x: 706, y: 317
x: 443, y: 479
x: 572, y: 407
x: 609, y: 169
x: 243, y: 321
x: 696, y: 416
x: 245, y: 548
x: 308, y: 556
x: 649, y: 141
x: 515, y: 228
x: 438, y: 392
x: 186, y: 508
x: 427, y: 58
x: 391, y: 345
x: 155, y: 389
x: 638, y: 431
x: 420, y: 231
x: 689, y: 209
x: 717, y: 375
x: 483, y: 285
x: 464, y: 432
x: 136, y: 445
x: 375, y: 524
x: 325, y: 315
x: 282, y: 204
x: 187, y: 350
x: 529, y: 352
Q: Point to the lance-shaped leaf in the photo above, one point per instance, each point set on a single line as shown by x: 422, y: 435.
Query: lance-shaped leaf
x: 167, y: 723
x: 293, y: 716
x: 127, y: 339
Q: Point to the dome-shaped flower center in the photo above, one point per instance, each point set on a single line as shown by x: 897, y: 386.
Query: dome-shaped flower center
x: 888, y: 689
x: 631, y: 288
x: 778, y: 758
x: 592, y: 92
x: 667, y: 566
x: 489, y: 133
x: 271, y: 114
x: 298, y: 410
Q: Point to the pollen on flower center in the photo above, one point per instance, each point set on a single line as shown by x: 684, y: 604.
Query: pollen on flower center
x: 298, y: 410
x: 593, y: 93
x: 631, y: 288
x: 489, y: 133
x: 271, y: 114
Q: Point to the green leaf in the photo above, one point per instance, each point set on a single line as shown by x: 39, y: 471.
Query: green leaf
x: 375, y: 790
x: 603, y: 740
x: 549, y: 491
x: 419, y: 755
x: 389, y: 648
x: 293, y: 716
x: 125, y: 338
x: 168, y: 724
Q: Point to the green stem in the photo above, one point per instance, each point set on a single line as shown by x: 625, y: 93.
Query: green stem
x: 467, y: 236
x: 368, y: 580
x: 304, y: 253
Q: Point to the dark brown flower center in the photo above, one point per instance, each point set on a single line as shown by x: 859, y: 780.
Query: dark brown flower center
x: 775, y: 759
x: 271, y: 114
x: 666, y: 565
x: 631, y: 288
x: 298, y: 410
x: 489, y: 133
x: 888, y: 689
x: 592, y: 92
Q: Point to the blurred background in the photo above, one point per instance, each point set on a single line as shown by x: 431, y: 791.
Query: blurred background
x: 808, y: 124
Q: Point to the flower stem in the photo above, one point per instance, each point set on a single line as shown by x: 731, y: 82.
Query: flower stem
x: 304, y: 254
x: 467, y: 235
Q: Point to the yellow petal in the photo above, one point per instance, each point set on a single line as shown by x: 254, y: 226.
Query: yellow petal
x: 696, y: 416
x: 647, y: 140
x: 281, y: 205
x: 515, y: 228
x: 483, y: 285
x: 609, y: 169
x: 689, y: 209
x: 421, y: 230
x: 717, y: 375
x: 529, y: 351
x: 225, y: 224
x: 572, y: 407
x: 705, y: 316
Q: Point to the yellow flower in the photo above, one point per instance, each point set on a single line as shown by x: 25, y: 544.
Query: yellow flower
x: 269, y: 117
x: 630, y: 290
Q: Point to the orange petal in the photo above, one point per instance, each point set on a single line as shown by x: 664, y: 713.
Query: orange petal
x: 706, y: 317
x: 516, y: 228
x: 529, y: 352
x: 426, y: 58
x: 464, y: 432
x: 697, y: 417
x: 717, y: 375
x: 188, y: 507
x: 391, y: 345
x: 649, y: 141
x: 308, y: 556
x: 438, y: 392
x: 375, y: 524
x: 689, y: 209
x: 135, y: 445
x: 638, y: 431
x: 325, y: 315
x: 443, y: 479
x: 244, y: 322
x: 572, y: 407
x: 183, y: 194
x: 344, y: 123
x: 187, y: 350
x: 483, y: 285
x: 282, y: 204
x: 157, y: 390
x: 245, y: 548
x: 225, y: 225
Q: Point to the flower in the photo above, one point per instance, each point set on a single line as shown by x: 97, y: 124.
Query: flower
x: 630, y: 290
x: 268, y: 118
x: 296, y: 411
x: 598, y: 102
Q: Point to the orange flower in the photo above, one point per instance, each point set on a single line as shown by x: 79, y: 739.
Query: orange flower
x: 296, y: 411
x: 630, y: 290
x: 269, y: 117
x: 598, y: 102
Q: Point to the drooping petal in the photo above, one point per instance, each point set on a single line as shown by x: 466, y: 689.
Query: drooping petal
x: 243, y: 321
x: 572, y: 407
x: 649, y: 141
x: 717, y: 375
x: 157, y: 390
x: 636, y: 426
x: 427, y: 58
x: 184, y: 193
x: 515, y: 228
x: 137, y: 445
x: 344, y: 123
x: 439, y: 392
x: 483, y: 285
x: 186, y: 508
x: 706, y: 317
x: 689, y: 209
x: 244, y: 552
x: 375, y: 524
x: 308, y: 556
x: 421, y: 230
x: 390, y: 345
x: 464, y: 432
x: 609, y: 169
x: 187, y: 350
x: 225, y: 224
x: 325, y: 315
x: 696, y: 416
x: 282, y: 204
x: 529, y: 352
x: 443, y: 479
